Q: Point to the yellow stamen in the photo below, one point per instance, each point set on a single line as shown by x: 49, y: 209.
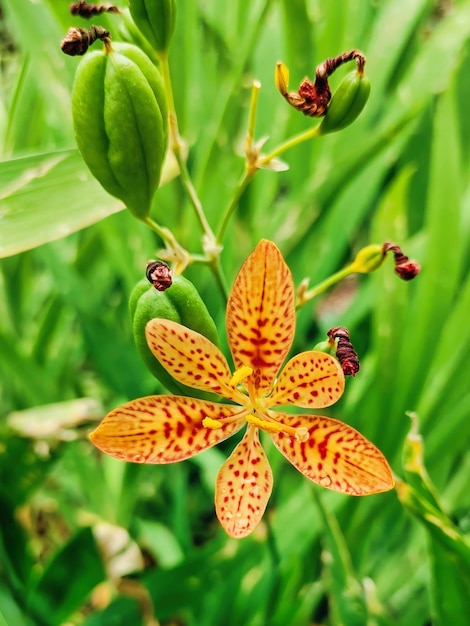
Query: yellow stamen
x: 281, y: 77
x: 208, y: 422
x: 242, y: 372
x: 301, y: 434
x: 269, y: 427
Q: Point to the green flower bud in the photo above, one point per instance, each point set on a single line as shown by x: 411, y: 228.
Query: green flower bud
x: 156, y: 20
x: 180, y: 303
x: 120, y: 120
x: 368, y: 259
x: 346, y: 103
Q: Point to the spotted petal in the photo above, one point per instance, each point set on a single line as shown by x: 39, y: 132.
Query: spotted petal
x: 244, y: 484
x: 190, y: 357
x: 311, y: 380
x: 261, y: 314
x: 335, y: 456
x: 162, y: 429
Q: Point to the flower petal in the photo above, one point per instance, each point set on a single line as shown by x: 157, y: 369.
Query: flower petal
x: 244, y: 484
x: 335, y: 456
x: 163, y: 429
x: 190, y: 358
x: 261, y: 314
x: 310, y: 379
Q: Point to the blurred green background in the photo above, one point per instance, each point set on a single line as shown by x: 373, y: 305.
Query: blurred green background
x: 89, y: 540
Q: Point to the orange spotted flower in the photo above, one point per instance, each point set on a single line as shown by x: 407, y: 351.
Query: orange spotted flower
x: 260, y: 326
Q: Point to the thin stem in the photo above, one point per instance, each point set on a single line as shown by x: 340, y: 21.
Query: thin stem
x: 274, y: 591
x: 309, y: 294
x: 290, y: 143
x: 219, y: 277
x: 175, y: 140
x: 256, y: 87
x: 261, y: 161
x: 163, y: 232
x: 183, y: 258
x: 193, y: 197
x: 176, y: 146
x: 238, y: 192
x: 251, y: 166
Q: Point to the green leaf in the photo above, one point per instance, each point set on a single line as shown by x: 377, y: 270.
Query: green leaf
x: 14, y: 554
x: 346, y: 592
x: 68, y: 579
x: 450, y: 587
x: 10, y: 613
x: 122, y: 612
x: 439, y: 283
x: 46, y: 197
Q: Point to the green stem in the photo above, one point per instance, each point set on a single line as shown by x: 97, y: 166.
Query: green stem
x: 255, y: 89
x: 219, y: 277
x: 175, y: 140
x: 176, y: 146
x: 251, y: 166
x: 309, y: 294
x: 238, y: 192
x: 212, y: 254
x: 251, y: 169
x: 163, y: 232
x: 311, y: 133
x: 275, y: 590
x: 183, y: 258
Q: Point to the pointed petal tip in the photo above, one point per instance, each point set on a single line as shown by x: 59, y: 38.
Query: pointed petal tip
x: 260, y: 316
x: 163, y: 429
x: 382, y: 485
x: 243, y: 487
x: 335, y: 455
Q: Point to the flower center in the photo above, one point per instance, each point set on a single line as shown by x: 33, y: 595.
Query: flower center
x: 255, y: 411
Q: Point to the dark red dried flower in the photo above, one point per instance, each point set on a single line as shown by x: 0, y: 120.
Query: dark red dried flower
x: 77, y: 40
x: 345, y: 352
x: 405, y: 268
x: 159, y: 274
x: 83, y: 9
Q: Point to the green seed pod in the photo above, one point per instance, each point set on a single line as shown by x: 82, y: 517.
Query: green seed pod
x: 156, y: 20
x: 180, y: 303
x: 346, y: 103
x: 120, y: 119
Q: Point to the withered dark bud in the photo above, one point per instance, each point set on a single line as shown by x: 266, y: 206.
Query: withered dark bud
x: 312, y: 98
x: 77, y: 40
x: 83, y: 9
x: 345, y: 352
x: 405, y: 268
x: 159, y: 274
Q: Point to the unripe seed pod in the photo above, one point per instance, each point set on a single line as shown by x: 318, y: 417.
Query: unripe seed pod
x: 180, y: 303
x: 346, y: 103
x: 156, y: 20
x: 120, y: 120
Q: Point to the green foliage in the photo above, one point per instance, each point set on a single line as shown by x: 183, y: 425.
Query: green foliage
x: 71, y: 257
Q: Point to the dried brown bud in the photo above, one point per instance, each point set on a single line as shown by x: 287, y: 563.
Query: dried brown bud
x: 159, y: 274
x: 313, y: 98
x: 83, y: 9
x: 345, y: 352
x: 77, y: 40
x: 407, y: 271
x: 405, y: 268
